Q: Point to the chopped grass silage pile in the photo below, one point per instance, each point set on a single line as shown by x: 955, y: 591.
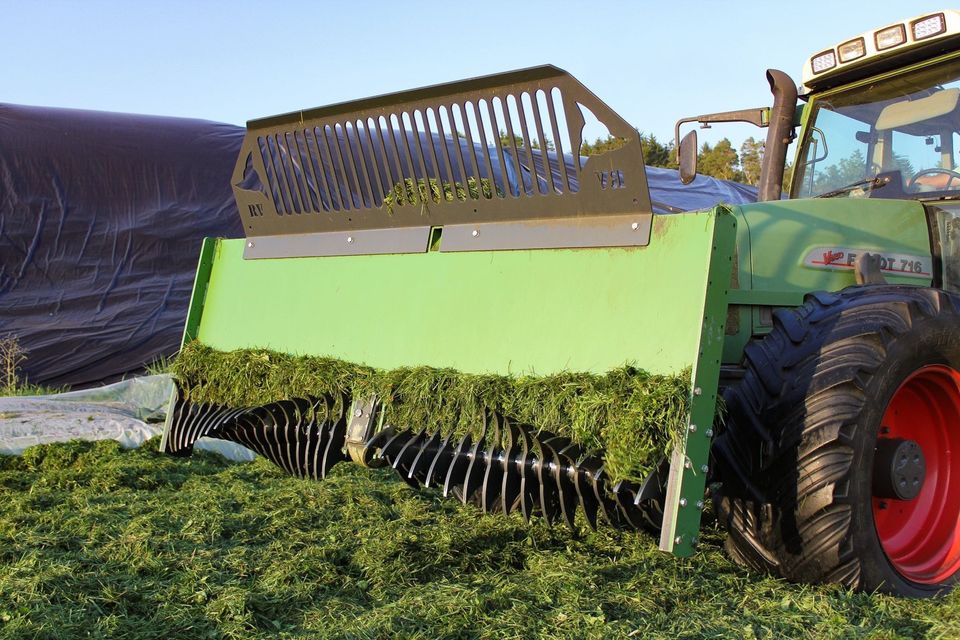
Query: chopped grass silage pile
x: 103, y: 543
x: 632, y: 416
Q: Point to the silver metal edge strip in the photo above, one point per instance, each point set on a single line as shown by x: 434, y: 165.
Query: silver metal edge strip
x: 566, y: 233
x: 338, y: 243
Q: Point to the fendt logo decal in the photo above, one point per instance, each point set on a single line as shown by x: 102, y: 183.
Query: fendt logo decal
x: 843, y: 258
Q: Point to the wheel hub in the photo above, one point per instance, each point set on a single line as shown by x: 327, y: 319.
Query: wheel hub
x: 918, y: 523
x: 899, y: 469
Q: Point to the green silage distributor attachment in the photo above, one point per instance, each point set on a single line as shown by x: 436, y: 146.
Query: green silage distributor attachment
x: 518, y: 330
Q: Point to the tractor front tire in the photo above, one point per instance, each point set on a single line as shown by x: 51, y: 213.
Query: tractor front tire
x: 840, y: 459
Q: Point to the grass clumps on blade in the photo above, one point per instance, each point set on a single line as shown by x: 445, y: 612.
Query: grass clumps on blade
x: 424, y: 191
x: 98, y: 542
x: 628, y: 414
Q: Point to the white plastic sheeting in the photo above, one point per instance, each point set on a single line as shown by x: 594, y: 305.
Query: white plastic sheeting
x: 130, y: 412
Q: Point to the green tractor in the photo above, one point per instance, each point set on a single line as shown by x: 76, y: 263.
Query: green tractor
x: 456, y: 227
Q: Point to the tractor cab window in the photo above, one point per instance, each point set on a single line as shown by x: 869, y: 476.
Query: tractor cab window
x: 896, y: 138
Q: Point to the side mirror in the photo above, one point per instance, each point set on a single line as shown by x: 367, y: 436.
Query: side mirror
x: 687, y: 157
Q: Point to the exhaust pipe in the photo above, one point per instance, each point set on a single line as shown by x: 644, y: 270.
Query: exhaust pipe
x: 779, y: 135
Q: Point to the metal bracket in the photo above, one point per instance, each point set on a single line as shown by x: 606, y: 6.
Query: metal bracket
x: 363, y: 420
x: 339, y: 243
x: 572, y: 233
x: 689, y: 463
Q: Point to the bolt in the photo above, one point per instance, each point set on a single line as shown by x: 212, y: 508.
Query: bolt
x: 475, y: 233
x: 687, y: 464
x: 704, y: 468
x: 883, y: 504
x: 678, y: 540
x: 697, y: 391
x: 693, y: 428
x: 635, y: 226
x: 349, y: 238
x: 694, y: 540
x: 250, y: 244
x: 709, y: 433
x: 358, y: 412
x: 700, y: 504
x: 683, y: 502
x: 884, y: 430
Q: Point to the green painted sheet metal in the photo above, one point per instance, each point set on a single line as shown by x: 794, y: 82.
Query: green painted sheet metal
x: 485, y: 312
x: 199, y: 293
x: 774, y: 238
x: 766, y: 298
x: 661, y: 307
x: 783, y: 233
x: 689, y: 462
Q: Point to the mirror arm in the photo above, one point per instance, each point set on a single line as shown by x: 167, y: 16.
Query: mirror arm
x: 759, y: 117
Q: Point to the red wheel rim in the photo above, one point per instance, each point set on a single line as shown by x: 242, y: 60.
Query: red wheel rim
x: 921, y: 537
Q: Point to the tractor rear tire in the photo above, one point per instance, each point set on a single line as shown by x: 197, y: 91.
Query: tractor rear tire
x: 836, y: 381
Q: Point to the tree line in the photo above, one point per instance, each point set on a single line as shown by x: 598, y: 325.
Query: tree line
x: 719, y: 161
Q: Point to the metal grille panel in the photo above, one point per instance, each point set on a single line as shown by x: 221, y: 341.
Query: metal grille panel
x: 496, y: 148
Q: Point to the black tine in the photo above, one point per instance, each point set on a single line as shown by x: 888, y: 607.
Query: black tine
x: 300, y: 432
x: 597, y: 479
x: 557, y: 442
x: 405, y: 458
x: 492, y: 477
x: 474, y: 475
x: 424, y: 454
x: 458, y: 466
x: 588, y: 501
x: 408, y: 451
x: 283, y: 430
x: 630, y: 512
x: 549, y: 501
x: 337, y: 436
x: 394, y: 444
x: 262, y: 419
x: 231, y: 425
x: 262, y: 423
x: 380, y: 438
x: 512, y: 471
x: 656, y: 483
x: 565, y: 489
x: 444, y: 453
x: 528, y: 482
x: 304, y: 407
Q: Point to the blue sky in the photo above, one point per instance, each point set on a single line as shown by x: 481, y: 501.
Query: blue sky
x: 653, y: 62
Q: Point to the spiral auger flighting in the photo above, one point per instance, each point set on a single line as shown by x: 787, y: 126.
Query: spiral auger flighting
x: 296, y: 435
x: 510, y: 467
x: 504, y: 468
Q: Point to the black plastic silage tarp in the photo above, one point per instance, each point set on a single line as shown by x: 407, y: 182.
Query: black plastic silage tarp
x: 101, y: 220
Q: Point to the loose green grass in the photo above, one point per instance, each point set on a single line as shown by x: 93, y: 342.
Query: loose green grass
x: 424, y: 191
x: 632, y: 416
x: 98, y: 542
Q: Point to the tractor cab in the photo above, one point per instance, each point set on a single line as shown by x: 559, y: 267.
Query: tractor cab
x: 898, y: 137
